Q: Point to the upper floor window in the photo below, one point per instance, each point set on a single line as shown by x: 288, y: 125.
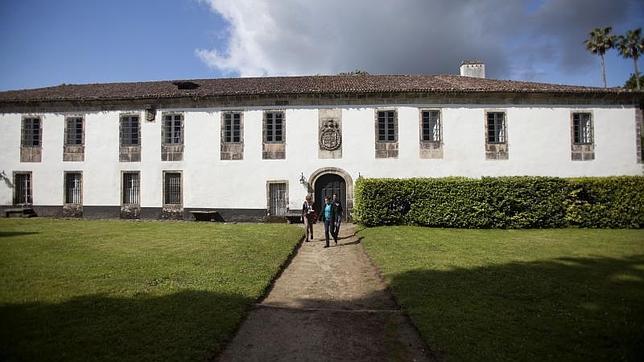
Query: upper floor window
x: 232, y: 127
x: 496, y: 129
x: 31, y: 132
x: 386, y: 121
x: 129, y: 130
x: 173, y: 129
x: 274, y: 127
x: 582, y: 128
x: 74, y: 131
x: 431, y: 126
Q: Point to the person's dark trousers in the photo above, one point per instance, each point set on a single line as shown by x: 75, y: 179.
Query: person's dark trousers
x: 336, y: 228
x: 328, y: 228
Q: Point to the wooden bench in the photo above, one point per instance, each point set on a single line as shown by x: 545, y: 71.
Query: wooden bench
x: 293, y: 216
x: 20, y: 211
x: 206, y: 215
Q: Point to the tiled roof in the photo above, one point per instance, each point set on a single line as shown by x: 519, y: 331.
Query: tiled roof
x: 334, y: 84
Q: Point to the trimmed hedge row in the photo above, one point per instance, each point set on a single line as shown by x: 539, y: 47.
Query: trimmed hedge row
x: 502, y: 202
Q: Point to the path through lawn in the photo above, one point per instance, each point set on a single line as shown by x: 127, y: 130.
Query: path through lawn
x: 571, y: 294
x: 120, y: 290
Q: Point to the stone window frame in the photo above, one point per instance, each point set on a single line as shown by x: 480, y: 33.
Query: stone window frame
x: 268, y: 194
x: 232, y: 135
x: 129, y: 152
x: 421, y: 112
x: 505, y: 127
x: 377, y: 125
x: 163, y: 189
x: 574, y: 134
x: 496, y: 150
x: 31, y: 152
x: 164, y: 131
x: 66, y: 189
x: 265, y: 126
x: 122, y: 193
x: 582, y: 151
x: 30, y: 194
x: 74, y: 151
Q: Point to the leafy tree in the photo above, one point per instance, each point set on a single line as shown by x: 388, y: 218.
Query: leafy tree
x: 600, y: 40
x: 631, y: 45
x: 355, y: 72
x: 631, y: 83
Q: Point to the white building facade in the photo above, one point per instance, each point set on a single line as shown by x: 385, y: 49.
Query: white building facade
x: 252, y: 148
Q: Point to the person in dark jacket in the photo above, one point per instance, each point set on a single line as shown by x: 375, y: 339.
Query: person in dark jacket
x: 328, y: 216
x: 308, y: 216
x: 339, y: 211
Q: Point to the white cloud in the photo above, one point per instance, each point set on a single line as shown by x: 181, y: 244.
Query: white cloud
x: 286, y: 37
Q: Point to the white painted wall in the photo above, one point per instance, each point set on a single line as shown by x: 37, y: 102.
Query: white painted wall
x: 538, y: 139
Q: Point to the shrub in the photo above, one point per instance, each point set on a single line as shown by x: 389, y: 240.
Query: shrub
x: 501, y: 202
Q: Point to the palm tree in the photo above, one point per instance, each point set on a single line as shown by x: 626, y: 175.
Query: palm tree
x: 599, y: 42
x: 631, y: 46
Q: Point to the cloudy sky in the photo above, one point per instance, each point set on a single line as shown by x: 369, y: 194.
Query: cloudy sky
x: 77, y: 41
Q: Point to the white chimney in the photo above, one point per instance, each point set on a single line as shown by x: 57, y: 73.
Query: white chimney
x: 473, y: 68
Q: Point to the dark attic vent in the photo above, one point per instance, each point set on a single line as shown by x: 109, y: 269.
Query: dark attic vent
x: 186, y: 85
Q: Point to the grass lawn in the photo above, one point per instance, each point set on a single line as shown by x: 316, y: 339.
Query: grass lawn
x: 120, y: 290
x: 568, y: 294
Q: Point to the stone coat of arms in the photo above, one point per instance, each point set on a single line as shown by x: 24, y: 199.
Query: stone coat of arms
x: 330, y: 135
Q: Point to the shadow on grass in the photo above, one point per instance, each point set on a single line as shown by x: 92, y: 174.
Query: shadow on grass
x: 190, y: 325
x: 4, y: 234
x: 561, y: 309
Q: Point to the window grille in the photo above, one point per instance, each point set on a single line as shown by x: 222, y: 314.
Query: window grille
x: 496, y: 127
x: 172, y: 188
x: 130, y: 131
x: 131, y: 188
x: 274, y: 127
x: 22, y: 189
x: 431, y: 126
x: 582, y: 128
x: 31, y: 132
x: 173, y: 129
x: 386, y: 126
x: 74, y: 128
x: 73, y: 188
x: 232, y: 127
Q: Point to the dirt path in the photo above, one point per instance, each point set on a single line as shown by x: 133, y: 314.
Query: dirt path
x: 328, y: 305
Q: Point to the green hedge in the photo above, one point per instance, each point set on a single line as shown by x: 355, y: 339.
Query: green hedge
x: 502, y: 202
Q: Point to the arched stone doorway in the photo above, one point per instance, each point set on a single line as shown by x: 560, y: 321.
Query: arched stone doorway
x: 330, y: 180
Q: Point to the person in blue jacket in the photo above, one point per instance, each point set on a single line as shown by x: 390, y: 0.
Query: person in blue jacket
x: 329, y: 218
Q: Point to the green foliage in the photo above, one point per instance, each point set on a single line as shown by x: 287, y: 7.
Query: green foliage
x: 631, y: 83
x: 502, y: 202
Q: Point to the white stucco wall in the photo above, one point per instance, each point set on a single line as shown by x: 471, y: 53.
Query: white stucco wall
x: 538, y: 140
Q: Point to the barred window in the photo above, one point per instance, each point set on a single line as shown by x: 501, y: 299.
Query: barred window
x: 582, y: 128
x: 130, y: 129
x: 31, y: 132
x: 73, y: 187
x: 386, y: 126
x: 274, y: 127
x: 22, y: 189
x: 173, y: 129
x: 74, y: 130
x: 431, y: 126
x: 131, y: 188
x: 232, y: 127
x: 172, y: 188
x: 496, y: 127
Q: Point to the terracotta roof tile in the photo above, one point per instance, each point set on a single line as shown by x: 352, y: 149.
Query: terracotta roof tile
x: 336, y: 84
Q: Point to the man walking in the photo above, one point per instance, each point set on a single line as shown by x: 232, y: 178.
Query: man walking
x: 339, y: 211
x: 328, y: 215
